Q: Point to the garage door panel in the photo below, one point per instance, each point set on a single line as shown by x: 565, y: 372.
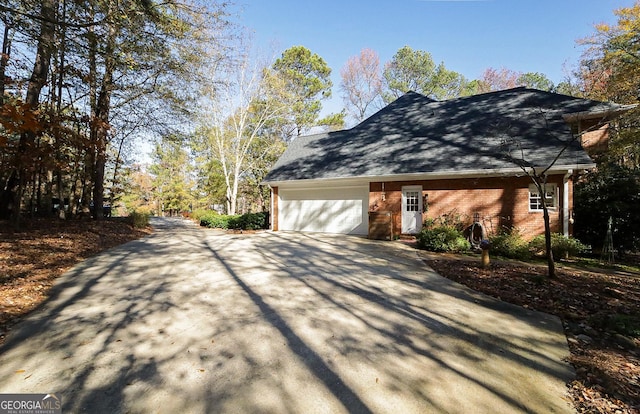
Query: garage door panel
x: 340, y: 210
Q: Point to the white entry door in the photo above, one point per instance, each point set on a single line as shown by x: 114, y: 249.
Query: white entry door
x: 411, y: 209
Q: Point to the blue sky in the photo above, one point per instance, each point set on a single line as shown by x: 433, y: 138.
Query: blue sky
x: 468, y: 36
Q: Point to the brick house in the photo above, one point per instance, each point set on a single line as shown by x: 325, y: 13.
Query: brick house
x: 418, y: 158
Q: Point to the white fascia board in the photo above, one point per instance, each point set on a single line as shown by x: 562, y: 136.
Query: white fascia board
x: 329, y: 182
x: 607, y: 113
x: 444, y: 175
x: 490, y: 173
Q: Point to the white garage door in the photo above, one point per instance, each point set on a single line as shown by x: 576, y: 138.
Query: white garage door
x: 326, y: 210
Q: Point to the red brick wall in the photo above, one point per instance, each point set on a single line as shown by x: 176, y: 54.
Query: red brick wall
x: 274, y: 209
x: 500, y: 201
x: 594, y: 142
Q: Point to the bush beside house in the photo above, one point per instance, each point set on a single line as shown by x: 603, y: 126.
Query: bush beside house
x: 562, y: 247
x: 443, y: 234
x: 512, y: 245
x: 446, y: 234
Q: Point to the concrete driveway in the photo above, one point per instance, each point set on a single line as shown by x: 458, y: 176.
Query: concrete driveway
x: 190, y: 320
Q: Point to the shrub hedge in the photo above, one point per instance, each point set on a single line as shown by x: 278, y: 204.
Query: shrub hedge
x: 198, y: 213
x: 139, y: 218
x: 510, y: 243
x: 249, y: 221
x: 442, y: 238
x: 561, y: 246
x: 211, y: 219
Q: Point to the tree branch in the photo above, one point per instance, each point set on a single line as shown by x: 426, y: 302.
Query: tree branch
x: 53, y: 21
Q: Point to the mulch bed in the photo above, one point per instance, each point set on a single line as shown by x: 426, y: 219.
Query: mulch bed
x: 591, y: 304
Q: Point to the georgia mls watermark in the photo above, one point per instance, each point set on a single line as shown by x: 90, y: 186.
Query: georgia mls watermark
x: 30, y: 404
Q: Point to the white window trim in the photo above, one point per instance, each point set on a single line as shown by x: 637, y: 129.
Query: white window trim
x: 551, y: 188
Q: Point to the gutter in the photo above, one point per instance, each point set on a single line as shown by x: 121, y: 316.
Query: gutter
x: 489, y: 173
x: 608, y: 114
x: 565, y: 203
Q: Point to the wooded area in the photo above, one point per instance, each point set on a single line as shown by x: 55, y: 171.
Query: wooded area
x: 81, y: 79
x: 83, y: 86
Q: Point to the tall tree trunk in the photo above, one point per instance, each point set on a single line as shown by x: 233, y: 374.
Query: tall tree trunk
x: 89, y: 164
x: 43, y: 54
x: 234, y: 189
x: 34, y: 87
x: 98, y: 172
x: 86, y: 185
x: 4, y: 58
x: 76, y: 176
x: 551, y: 266
x: 101, y: 121
x: 61, y: 62
x: 6, y: 190
x: 56, y: 108
x: 6, y: 194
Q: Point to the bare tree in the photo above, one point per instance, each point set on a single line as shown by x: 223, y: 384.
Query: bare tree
x: 362, y: 84
x: 538, y: 168
x: 498, y: 79
x: 242, y: 101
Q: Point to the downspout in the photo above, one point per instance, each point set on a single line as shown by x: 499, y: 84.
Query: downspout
x: 565, y: 203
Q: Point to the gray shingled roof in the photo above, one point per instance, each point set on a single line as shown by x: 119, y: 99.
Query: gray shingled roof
x: 415, y: 134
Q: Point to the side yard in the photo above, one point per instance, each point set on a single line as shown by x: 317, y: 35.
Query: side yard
x: 600, y: 310
x: 31, y: 259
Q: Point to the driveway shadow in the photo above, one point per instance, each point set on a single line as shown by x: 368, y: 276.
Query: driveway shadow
x: 406, y: 312
x: 193, y: 320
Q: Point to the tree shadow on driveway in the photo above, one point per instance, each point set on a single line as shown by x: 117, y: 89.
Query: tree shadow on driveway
x: 394, y: 319
x: 311, y: 359
x: 191, y: 320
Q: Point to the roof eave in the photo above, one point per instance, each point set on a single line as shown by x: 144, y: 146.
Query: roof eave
x: 443, y: 175
x: 608, y: 114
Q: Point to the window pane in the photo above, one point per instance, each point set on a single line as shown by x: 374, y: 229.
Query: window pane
x: 412, y: 200
x: 549, y: 199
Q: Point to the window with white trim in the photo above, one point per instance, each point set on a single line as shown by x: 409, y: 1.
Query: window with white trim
x: 413, y: 201
x: 550, y: 197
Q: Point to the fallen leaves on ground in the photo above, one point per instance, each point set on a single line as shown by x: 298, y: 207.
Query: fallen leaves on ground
x: 589, y: 303
x: 607, y: 373
x: 43, y: 249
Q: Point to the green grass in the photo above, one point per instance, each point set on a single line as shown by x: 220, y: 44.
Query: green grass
x: 589, y: 262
